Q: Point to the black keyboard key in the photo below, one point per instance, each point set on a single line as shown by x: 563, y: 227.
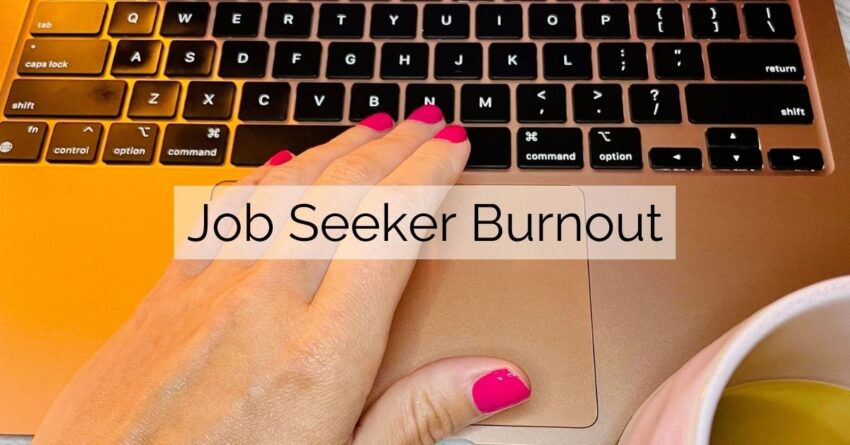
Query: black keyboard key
x: 153, y: 99
x: 550, y: 148
x: 68, y: 18
x: 393, y: 21
x: 445, y: 21
x: 796, y: 159
x: 565, y: 61
x: 660, y: 21
x: 297, y: 59
x: 74, y: 142
x: 608, y: 21
x: 769, y: 21
x: 755, y: 61
x: 749, y: 104
x: 513, y: 61
x: 458, y: 61
x: 187, y: 58
x: 293, y: 20
x: 243, y: 59
x: 133, y: 18
x: 136, y: 58
x: 598, y: 103
x: 616, y: 148
x: 714, y: 21
x: 209, y: 100
x: 622, y: 61
x: 370, y: 98
x: 21, y: 141
x: 735, y: 159
x: 491, y: 148
x: 655, y: 104
x: 485, y: 103
x: 319, y: 102
x: 541, y: 103
x: 737, y: 138
x: 341, y: 21
x: 63, y: 56
x: 675, y: 159
x: 498, y: 21
x: 351, y: 60
x: 733, y: 149
x: 678, y: 61
x: 253, y: 145
x: 185, y: 19
x: 264, y: 101
x: 130, y: 144
x: 237, y: 19
x: 441, y: 95
x: 551, y: 21
x: 404, y: 60
x: 65, y: 98
x: 192, y: 144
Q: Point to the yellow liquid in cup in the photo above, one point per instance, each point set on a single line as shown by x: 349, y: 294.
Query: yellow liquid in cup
x: 780, y: 412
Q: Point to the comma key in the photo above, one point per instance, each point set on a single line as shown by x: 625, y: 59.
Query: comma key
x: 21, y: 141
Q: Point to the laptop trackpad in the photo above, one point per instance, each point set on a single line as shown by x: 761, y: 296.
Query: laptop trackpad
x: 534, y: 313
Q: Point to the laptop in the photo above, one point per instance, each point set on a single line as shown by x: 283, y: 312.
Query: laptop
x: 741, y: 105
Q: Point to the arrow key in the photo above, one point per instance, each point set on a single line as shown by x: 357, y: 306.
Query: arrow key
x: 735, y: 159
x: 675, y: 159
x: 739, y: 138
x: 796, y: 159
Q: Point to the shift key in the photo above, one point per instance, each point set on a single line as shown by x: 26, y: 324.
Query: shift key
x: 71, y: 56
x: 65, y: 98
x: 68, y: 18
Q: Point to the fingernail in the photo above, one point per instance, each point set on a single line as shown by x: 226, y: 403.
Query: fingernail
x: 378, y: 122
x: 282, y: 157
x: 429, y: 114
x: 498, y: 390
x: 452, y: 133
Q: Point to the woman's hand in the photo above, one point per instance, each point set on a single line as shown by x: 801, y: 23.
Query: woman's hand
x: 286, y: 352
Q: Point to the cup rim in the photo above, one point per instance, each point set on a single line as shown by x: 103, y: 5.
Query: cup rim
x: 755, y: 329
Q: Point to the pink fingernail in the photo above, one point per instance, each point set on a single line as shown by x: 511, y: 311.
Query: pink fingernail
x: 429, y: 114
x: 498, y: 390
x: 282, y: 157
x: 452, y: 133
x: 378, y: 122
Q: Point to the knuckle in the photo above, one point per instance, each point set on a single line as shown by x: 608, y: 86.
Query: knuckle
x: 401, y: 139
x: 356, y: 168
x: 429, y: 420
x: 284, y: 176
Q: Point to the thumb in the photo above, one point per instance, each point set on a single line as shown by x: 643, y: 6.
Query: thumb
x: 440, y: 399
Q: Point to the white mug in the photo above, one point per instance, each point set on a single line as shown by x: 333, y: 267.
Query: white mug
x: 805, y: 335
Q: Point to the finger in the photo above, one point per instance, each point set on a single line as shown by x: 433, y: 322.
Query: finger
x: 367, y: 165
x: 368, y: 308
x: 307, y: 166
x: 440, y: 399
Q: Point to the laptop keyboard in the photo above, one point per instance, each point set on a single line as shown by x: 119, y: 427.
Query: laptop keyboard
x: 599, y: 85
